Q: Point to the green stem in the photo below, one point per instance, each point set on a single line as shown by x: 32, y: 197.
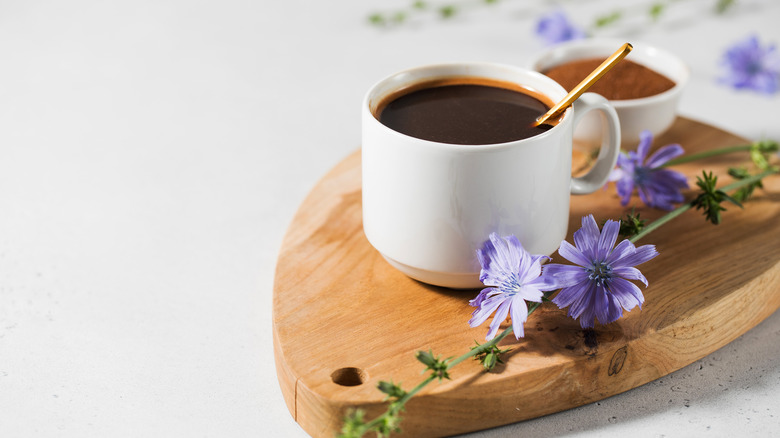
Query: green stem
x: 749, y: 180
x: 482, y: 348
x: 685, y: 207
x: 707, y: 154
x: 399, y: 403
x: 488, y: 345
x: 660, y: 221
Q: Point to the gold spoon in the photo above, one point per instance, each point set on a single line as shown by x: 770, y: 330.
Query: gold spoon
x: 577, y: 91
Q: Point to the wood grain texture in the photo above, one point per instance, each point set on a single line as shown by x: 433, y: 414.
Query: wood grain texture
x: 340, y: 312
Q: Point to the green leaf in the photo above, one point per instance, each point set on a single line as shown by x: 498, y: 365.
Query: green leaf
x: 392, y: 390
x: 631, y: 225
x: 437, y: 366
x: 744, y: 193
x: 767, y: 146
x: 447, y: 11
x: 606, y: 20
x: 490, y: 357
x: 656, y: 9
x: 759, y: 153
x: 426, y: 357
x: 399, y: 17
x: 710, y: 198
x: 354, y: 424
x: 377, y: 19
x: 387, y: 424
x: 722, y: 6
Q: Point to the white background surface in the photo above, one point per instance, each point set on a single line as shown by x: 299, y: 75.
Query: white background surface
x: 152, y: 154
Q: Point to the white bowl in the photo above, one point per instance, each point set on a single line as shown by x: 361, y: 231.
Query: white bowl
x: 654, y: 113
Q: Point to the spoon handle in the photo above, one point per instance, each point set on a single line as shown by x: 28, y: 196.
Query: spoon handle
x: 577, y: 91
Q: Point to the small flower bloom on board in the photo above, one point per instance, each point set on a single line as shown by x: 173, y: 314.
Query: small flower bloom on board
x: 657, y: 187
x: 556, y: 28
x: 513, y: 276
x: 599, y: 286
x: 749, y: 65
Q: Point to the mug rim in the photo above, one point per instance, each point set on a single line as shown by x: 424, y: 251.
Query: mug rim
x: 537, y: 76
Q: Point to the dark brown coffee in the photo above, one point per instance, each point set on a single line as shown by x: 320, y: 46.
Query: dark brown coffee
x: 464, y: 111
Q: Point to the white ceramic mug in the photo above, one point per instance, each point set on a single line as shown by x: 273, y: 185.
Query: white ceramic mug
x: 428, y: 206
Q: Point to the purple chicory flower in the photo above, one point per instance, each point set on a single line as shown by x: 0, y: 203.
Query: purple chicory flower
x: 749, y: 65
x: 657, y: 187
x: 513, y: 276
x: 556, y: 28
x: 599, y: 286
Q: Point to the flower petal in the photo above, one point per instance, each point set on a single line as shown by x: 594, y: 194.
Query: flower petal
x: 765, y: 82
x: 517, y: 255
x: 528, y: 270
x: 641, y: 189
x: 628, y: 294
x: 477, y: 301
x: 587, y: 236
x: 519, y: 315
x: 645, y: 140
x: 607, y: 239
x: 585, y: 307
x: 624, y: 248
x: 625, y: 187
x: 530, y: 293
x: 496, y: 259
x: 568, y: 295
x: 629, y: 273
x: 481, y: 314
x: 558, y: 276
x: 661, y: 188
x: 502, y: 256
x: 540, y: 258
x: 670, y: 178
x: 573, y: 254
x: 501, y: 313
x: 601, y: 305
x: 614, y: 310
x: 664, y: 154
x: 616, y: 174
x: 484, y: 261
x: 556, y: 27
x: 641, y: 255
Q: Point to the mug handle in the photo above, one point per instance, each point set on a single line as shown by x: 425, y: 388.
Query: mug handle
x: 610, y: 144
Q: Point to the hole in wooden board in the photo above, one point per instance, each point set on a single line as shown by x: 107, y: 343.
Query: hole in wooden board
x: 349, y: 376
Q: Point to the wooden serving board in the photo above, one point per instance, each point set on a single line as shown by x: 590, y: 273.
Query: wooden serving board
x: 344, y: 319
